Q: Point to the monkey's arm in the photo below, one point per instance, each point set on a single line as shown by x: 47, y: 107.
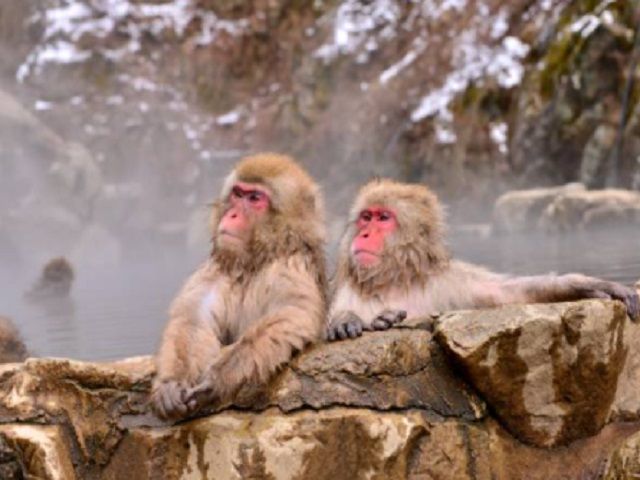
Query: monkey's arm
x: 483, y: 288
x: 293, y: 319
x: 572, y: 286
x: 467, y: 286
x: 189, y: 342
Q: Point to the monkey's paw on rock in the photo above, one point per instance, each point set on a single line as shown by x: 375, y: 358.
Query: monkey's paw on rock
x: 395, y: 403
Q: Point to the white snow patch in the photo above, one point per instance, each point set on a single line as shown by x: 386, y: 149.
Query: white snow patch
x: 445, y: 135
x: 435, y: 8
x: 357, y: 25
x: 229, y: 118
x: 473, y: 61
x: 41, y: 105
x: 498, y: 133
x: 127, y: 21
x: 586, y: 25
x: 393, y: 71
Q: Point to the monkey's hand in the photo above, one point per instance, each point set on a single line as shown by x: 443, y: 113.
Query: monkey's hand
x: 169, y: 399
x: 344, y: 325
x: 626, y: 295
x: 205, y: 392
x: 387, y: 319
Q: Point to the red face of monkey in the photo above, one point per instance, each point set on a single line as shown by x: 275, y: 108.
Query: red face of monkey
x: 374, y: 224
x: 247, y: 204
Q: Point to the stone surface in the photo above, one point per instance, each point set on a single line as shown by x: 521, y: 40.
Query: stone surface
x: 548, y: 371
x: 567, y: 208
x: 520, y: 210
x: 388, y: 405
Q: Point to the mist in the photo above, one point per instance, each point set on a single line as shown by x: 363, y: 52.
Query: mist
x: 120, y: 119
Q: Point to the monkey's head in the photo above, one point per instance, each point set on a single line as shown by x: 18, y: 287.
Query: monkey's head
x: 394, y: 236
x: 269, y: 206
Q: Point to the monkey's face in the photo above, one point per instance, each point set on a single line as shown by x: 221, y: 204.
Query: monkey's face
x: 373, y: 228
x: 247, y: 205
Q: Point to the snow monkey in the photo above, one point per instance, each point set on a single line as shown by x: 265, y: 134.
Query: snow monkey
x: 393, y: 263
x: 259, y: 297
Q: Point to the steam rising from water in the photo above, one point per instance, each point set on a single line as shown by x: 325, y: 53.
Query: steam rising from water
x: 121, y: 311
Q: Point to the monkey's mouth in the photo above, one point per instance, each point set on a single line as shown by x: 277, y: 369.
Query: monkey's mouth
x: 366, y: 257
x: 226, y: 238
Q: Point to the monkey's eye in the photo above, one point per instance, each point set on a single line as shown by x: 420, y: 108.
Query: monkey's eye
x: 384, y: 216
x: 366, y: 216
x: 255, y: 196
x: 237, y: 192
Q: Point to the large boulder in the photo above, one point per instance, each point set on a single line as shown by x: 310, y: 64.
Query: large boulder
x: 388, y: 405
x: 567, y: 208
x: 548, y: 371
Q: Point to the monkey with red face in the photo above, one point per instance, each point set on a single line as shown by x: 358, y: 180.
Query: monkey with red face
x: 260, y: 296
x: 393, y: 263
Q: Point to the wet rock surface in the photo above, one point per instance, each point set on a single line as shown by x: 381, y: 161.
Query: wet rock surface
x: 392, y: 405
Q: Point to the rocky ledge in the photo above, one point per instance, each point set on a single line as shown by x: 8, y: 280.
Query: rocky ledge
x: 536, y: 391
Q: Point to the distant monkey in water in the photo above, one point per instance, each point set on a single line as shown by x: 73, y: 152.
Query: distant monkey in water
x: 55, y: 281
x: 393, y: 263
x: 260, y: 296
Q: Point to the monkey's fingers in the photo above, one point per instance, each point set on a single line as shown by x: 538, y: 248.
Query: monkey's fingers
x: 354, y: 328
x: 632, y: 302
x: 168, y: 402
x: 629, y: 297
x: 388, y: 318
x: 198, y: 395
x: 345, y: 324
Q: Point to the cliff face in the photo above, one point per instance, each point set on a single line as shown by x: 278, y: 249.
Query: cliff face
x: 469, y: 96
x: 476, y: 399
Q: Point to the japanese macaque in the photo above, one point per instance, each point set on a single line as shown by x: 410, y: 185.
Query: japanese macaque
x: 55, y: 281
x: 260, y: 296
x: 12, y: 348
x: 393, y: 263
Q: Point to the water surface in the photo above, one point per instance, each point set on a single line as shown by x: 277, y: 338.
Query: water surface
x: 121, y: 312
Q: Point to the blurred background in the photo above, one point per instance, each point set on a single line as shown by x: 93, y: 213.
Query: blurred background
x: 120, y: 118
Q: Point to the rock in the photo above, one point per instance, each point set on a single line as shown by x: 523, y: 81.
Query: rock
x: 595, y: 158
x: 549, y: 372
x: 566, y: 208
x: 520, y: 210
x: 35, y: 451
x: 385, y: 406
x: 592, y: 209
x: 624, y: 462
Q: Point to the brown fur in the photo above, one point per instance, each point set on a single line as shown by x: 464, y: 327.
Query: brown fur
x: 54, y: 282
x: 416, y: 275
x: 244, y: 313
x: 12, y: 348
x: 416, y: 252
